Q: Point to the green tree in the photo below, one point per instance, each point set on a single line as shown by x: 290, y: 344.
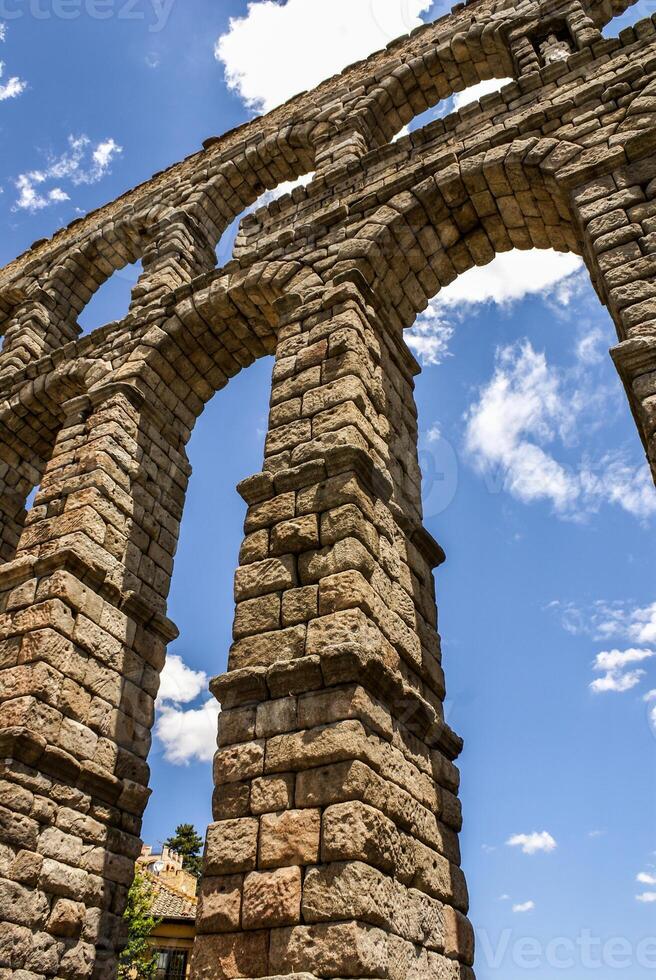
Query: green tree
x: 188, y: 845
x: 138, y: 961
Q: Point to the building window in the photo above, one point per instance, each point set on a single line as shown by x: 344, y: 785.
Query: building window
x: 171, y: 964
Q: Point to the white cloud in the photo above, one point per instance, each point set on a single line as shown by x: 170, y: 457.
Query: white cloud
x: 14, y: 86
x: 430, y: 336
x: 180, y: 683
x: 434, y: 434
x: 643, y: 626
x: 188, y: 735
x: 617, y: 683
x: 645, y: 878
x: 82, y: 163
x: 102, y: 158
x: 503, y: 898
x: 595, y: 834
x: 29, y: 199
x: 524, y: 907
x: 616, y: 678
x: 509, y: 278
x: 650, y: 696
x: 313, y: 40
x: 476, y: 92
x: 525, y: 408
x: 57, y: 194
x: 604, y: 620
x: 646, y: 897
x: 592, y: 347
x: 533, y: 843
x: 618, y: 659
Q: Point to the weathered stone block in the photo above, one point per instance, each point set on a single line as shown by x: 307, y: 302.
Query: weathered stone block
x: 224, y: 957
x: 338, y: 950
x: 238, y: 762
x: 272, y: 793
x: 219, y: 904
x: 272, y: 898
x: 262, y: 577
x: 289, y: 838
x: 66, y: 918
x: 268, y: 648
x: 231, y: 846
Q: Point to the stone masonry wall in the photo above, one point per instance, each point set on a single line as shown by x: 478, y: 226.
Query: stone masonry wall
x: 334, y: 848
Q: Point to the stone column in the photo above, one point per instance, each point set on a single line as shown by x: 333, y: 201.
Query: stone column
x: 617, y: 213
x: 334, y: 851
x: 179, y: 249
x: 82, y: 641
x: 33, y: 328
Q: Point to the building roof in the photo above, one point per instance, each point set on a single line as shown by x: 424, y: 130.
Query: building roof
x: 170, y: 903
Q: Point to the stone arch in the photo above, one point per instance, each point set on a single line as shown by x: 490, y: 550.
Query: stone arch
x: 30, y: 421
x: 213, y: 333
x: 438, y: 72
x: 459, y: 217
x: 224, y: 189
x: 10, y: 299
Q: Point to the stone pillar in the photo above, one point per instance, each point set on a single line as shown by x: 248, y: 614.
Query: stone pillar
x: 180, y: 249
x: 334, y: 851
x: 82, y: 641
x: 32, y: 328
x: 617, y: 213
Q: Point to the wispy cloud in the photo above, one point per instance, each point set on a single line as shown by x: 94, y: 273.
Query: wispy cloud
x: 430, y: 336
x: 14, y: 86
x: 526, y: 409
x: 524, y: 907
x: 534, y: 843
x: 646, y: 878
x: 613, y: 664
x: 82, y: 163
x: 509, y: 278
x: 646, y: 898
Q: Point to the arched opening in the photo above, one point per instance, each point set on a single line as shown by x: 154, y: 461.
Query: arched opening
x: 623, y: 14
x: 233, y: 239
x: 111, y: 301
x: 201, y: 602
x: 455, y: 102
x: 531, y: 466
x: 29, y: 428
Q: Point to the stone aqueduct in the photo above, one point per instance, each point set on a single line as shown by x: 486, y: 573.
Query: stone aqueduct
x: 334, y: 851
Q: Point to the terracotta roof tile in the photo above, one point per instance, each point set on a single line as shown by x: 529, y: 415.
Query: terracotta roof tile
x: 171, y: 904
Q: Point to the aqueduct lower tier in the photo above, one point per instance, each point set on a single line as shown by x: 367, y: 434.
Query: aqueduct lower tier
x: 334, y: 851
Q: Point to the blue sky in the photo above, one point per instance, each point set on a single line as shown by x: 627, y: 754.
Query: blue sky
x: 535, y: 481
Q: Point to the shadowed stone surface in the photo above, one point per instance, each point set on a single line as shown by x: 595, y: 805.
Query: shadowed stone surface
x: 334, y: 849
